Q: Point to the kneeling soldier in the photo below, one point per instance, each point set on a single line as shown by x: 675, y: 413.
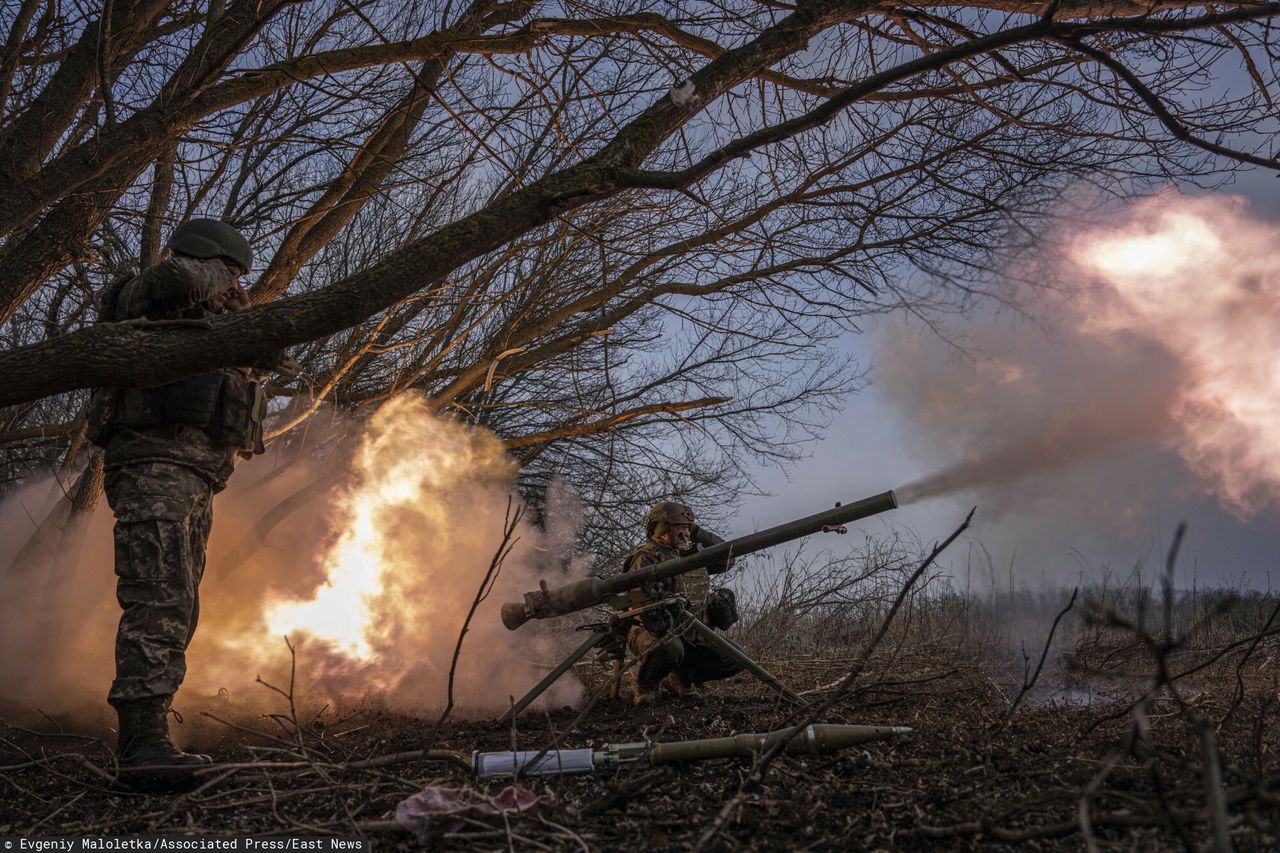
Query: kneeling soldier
x: 680, y: 663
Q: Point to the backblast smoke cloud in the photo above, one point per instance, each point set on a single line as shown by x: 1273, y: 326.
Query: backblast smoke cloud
x: 370, y: 580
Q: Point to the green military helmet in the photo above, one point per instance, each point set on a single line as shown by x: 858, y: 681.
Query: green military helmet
x: 666, y: 513
x: 211, y: 238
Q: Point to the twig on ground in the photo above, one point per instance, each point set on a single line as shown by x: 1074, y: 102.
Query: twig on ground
x: 246, y: 730
x: 59, y: 810
x: 1030, y: 682
x: 630, y: 788
x: 289, y: 696
x: 510, y: 522
x: 1215, y: 796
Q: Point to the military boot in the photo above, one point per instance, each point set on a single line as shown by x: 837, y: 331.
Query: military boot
x: 641, y: 694
x: 644, y: 695
x: 678, y: 685
x: 147, y: 757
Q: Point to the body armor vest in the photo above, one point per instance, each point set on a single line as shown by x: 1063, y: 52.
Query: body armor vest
x: 695, y: 586
x: 225, y: 405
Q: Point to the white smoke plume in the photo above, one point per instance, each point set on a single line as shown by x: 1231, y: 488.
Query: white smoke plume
x: 1200, y: 278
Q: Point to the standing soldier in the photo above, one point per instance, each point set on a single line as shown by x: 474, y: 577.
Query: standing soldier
x: 169, y: 449
x: 681, y: 664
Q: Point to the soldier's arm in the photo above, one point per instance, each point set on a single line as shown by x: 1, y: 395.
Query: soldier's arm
x: 279, y: 363
x: 706, y: 539
x: 172, y: 286
x: 642, y: 558
x: 637, y: 560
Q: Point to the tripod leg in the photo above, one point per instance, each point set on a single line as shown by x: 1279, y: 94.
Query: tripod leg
x: 738, y: 655
x: 538, y: 689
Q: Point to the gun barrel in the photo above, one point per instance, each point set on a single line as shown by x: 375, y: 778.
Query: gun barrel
x: 819, y: 737
x: 547, y: 603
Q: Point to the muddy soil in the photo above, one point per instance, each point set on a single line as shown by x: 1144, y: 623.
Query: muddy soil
x: 1057, y: 775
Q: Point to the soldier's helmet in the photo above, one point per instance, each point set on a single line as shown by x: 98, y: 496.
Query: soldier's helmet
x: 665, y: 514
x: 211, y: 238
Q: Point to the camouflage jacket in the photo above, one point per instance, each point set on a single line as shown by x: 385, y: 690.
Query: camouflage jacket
x: 694, y: 585
x: 177, y: 288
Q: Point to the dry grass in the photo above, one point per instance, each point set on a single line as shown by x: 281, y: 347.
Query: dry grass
x: 1176, y: 752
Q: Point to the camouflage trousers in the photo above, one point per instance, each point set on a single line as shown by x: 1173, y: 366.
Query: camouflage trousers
x: 695, y: 660
x: 163, y: 515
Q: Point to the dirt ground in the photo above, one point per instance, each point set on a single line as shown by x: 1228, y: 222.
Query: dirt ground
x: 1060, y: 774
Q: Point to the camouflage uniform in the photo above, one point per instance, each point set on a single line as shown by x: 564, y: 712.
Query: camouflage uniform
x: 690, y: 656
x: 160, y: 481
x: 163, y: 515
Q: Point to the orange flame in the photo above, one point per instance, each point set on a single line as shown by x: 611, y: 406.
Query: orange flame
x: 411, y: 540
x: 377, y: 603
x: 405, y: 466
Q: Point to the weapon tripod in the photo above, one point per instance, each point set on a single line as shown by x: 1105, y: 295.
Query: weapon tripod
x: 614, y: 633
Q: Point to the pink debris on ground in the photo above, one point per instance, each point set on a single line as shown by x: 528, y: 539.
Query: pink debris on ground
x: 437, y: 810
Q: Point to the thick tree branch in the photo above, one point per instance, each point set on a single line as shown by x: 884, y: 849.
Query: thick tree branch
x: 611, y: 422
x: 112, y: 355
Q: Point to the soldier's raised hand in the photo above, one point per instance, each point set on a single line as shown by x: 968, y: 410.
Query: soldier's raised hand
x: 235, y: 299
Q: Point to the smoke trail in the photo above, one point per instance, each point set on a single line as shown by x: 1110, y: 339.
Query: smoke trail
x: 1074, y: 425
x: 1171, y: 344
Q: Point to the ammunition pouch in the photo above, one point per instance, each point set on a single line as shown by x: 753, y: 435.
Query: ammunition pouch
x: 694, y: 586
x: 657, y: 621
x: 239, y: 422
x: 722, y: 609
x: 227, y: 407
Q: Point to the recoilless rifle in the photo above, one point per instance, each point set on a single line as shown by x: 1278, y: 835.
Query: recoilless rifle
x: 546, y: 603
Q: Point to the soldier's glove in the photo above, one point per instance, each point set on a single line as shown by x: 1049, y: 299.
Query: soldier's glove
x: 705, y: 539
x: 722, y: 609
x: 614, y: 645
x: 278, y: 363
x: 656, y: 621
x: 235, y: 299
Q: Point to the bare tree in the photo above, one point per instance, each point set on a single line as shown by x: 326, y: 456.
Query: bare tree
x: 617, y: 235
